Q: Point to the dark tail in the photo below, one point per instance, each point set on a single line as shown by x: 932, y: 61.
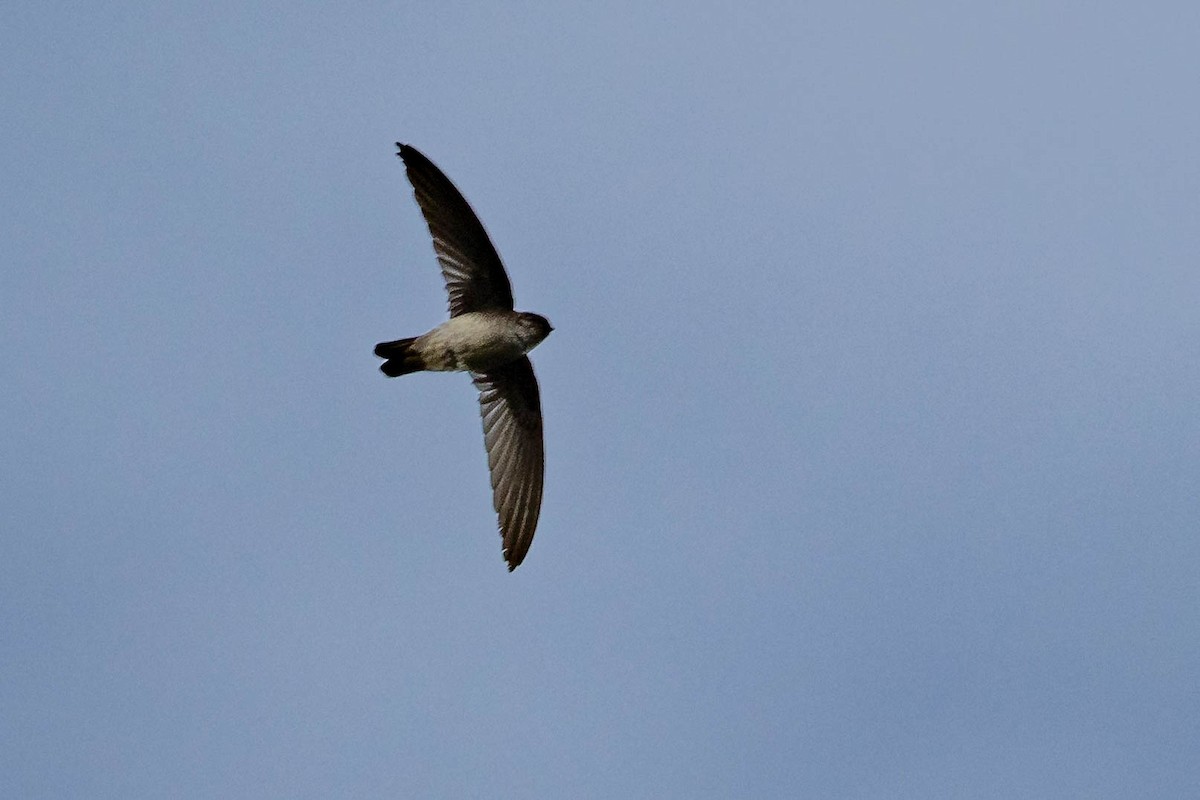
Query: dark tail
x: 401, y: 359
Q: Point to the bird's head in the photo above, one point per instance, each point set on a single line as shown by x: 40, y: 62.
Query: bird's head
x: 534, y: 326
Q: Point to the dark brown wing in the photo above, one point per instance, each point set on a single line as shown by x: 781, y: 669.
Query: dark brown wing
x: 512, y: 432
x: 474, y: 275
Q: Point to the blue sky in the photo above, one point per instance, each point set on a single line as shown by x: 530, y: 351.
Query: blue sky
x: 871, y: 408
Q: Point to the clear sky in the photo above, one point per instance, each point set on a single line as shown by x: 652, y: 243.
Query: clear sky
x: 871, y: 410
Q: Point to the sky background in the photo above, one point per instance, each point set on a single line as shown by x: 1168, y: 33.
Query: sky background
x: 870, y: 412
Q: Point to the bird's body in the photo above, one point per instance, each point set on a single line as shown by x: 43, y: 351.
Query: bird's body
x: 472, y: 342
x: 486, y: 337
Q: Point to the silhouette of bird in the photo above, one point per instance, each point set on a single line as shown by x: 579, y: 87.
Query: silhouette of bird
x: 486, y: 337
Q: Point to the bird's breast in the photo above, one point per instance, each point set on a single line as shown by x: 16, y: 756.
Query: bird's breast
x: 474, y: 341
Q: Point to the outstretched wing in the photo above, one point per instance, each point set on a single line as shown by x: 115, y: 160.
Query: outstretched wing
x: 474, y: 275
x: 512, y: 432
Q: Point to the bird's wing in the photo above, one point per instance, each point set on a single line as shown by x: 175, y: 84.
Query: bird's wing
x: 474, y: 275
x: 512, y: 432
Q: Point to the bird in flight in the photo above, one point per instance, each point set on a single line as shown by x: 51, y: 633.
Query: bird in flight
x: 486, y: 337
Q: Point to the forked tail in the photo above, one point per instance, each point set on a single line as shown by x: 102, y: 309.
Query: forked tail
x: 401, y: 358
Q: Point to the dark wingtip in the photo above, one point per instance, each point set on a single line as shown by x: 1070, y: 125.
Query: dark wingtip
x: 512, y: 561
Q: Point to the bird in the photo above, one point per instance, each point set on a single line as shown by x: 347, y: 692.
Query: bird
x: 486, y: 337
